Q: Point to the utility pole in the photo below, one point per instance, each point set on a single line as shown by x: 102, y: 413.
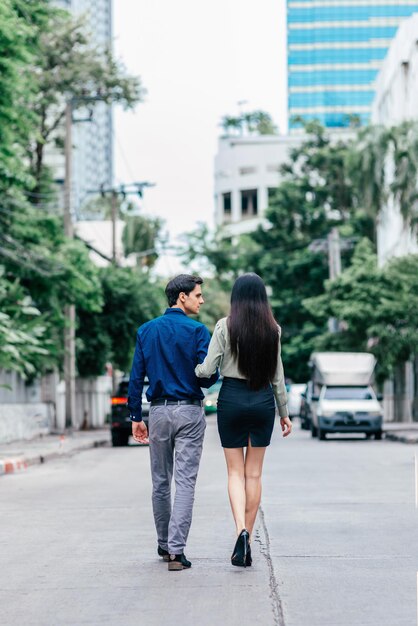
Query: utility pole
x: 334, y: 262
x: 136, y: 189
x: 123, y: 190
x: 69, y: 312
x: 334, y: 254
x: 114, y: 199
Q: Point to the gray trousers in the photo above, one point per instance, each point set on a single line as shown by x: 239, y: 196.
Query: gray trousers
x: 175, y: 441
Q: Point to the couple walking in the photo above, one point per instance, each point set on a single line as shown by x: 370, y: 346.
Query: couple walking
x: 179, y: 357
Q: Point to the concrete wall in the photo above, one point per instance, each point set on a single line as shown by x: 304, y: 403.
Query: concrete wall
x: 29, y: 411
x: 92, y: 402
x: 25, y: 421
x: 395, y: 102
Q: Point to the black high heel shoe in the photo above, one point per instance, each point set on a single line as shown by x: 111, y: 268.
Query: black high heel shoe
x: 249, y: 559
x: 239, y: 555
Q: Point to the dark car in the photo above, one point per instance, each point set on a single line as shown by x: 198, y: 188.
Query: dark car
x: 121, y: 425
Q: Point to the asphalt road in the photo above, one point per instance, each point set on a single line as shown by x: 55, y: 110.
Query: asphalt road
x: 336, y: 541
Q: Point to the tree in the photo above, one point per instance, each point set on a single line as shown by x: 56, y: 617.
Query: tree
x: 253, y: 123
x: 140, y: 237
x: 16, y: 89
x: 68, y: 67
x: 314, y: 196
x: 130, y: 299
x: 41, y: 266
x: 377, y: 309
x: 22, y: 330
x: 384, y: 163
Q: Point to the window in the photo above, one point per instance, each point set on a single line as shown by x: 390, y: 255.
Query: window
x: 348, y: 393
x: 227, y: 205
x: 244, y: 171
x: 249, y: 206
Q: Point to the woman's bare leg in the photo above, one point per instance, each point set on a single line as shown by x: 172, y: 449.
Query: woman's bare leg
x: 253, y: 468
x: 236, y: 485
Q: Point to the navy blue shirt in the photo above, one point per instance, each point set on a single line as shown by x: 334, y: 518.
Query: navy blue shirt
x: 168, y: 349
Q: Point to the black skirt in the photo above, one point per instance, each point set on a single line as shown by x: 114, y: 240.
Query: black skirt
x: 245, y: 414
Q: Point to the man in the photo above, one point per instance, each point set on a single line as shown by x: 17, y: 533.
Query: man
x: 168, y: 349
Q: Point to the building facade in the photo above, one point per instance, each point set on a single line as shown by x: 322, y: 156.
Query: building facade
x: 396, y: 101
x: 247, y: 171
x: 335, y: 51
x: 92, y: 140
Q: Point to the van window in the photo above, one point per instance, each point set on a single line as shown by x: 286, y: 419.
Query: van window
x: 348, y: 393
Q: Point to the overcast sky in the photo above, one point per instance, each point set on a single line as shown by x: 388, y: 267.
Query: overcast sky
x: 196, y: 60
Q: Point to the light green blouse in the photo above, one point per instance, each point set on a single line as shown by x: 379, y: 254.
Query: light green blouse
x: 219, y: 355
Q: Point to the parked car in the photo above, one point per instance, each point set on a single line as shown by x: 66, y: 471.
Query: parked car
x: 121, y: 425
x: 210, y: 401
x: 294, y: 398
x: 306, y: 405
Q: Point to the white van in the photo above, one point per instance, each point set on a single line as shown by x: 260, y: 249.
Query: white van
x: 346, y: 402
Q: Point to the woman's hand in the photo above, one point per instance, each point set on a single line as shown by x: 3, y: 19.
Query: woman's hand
x: 286, y: 425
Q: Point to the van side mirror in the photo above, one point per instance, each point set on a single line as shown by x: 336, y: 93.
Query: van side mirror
x: 379, y: 397
x: 315, y: 398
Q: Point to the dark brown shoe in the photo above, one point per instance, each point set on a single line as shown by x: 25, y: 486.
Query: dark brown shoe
x: 178, y: 562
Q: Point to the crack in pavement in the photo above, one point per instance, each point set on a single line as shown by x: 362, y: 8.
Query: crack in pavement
x: 274, y: 588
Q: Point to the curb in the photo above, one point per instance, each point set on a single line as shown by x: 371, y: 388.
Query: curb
x: 9, y: 466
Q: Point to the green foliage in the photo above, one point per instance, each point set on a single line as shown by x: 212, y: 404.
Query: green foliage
x: 16, y: 90
x: 130, y: 299
x: 46, y: 59
x: 22, y: 330
x: 140, y: 237
x: 252, y: 123
x: 216, y: 305
x: 377, y: 309
x: 314, y: 196
x: 67, y: 66
x: 206, y: 251
x: 384, y: 163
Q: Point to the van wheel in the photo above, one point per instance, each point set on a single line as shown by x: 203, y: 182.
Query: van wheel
x: 314, y: 430
x: 321, y: 434
x: 378, y: 435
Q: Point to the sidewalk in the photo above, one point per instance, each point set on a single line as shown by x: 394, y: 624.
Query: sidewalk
x: 401, y: 431
x: 19, y: 455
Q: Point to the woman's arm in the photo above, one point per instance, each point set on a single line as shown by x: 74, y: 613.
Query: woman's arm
x: 214, y: 356
x: 279, y: 388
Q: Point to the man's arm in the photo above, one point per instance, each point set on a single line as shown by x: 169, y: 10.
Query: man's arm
x: 136, y: 382
x: 203, y: 339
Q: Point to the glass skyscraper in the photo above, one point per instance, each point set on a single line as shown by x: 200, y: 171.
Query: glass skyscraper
x: 335, y: 49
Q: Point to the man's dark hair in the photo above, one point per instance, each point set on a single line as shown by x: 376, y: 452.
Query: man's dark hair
x: 182, y: 283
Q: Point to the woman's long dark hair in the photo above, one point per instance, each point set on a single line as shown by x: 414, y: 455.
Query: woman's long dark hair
x: 253, y: 331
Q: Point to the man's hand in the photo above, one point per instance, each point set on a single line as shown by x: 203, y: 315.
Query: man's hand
x: 286, y: 425
x: 140, y: 432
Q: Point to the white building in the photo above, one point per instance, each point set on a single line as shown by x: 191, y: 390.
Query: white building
x: 92, y: 141
x: 395, y: 101
x: 246, y: 174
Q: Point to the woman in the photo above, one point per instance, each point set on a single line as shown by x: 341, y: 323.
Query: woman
x: 246, y: 347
